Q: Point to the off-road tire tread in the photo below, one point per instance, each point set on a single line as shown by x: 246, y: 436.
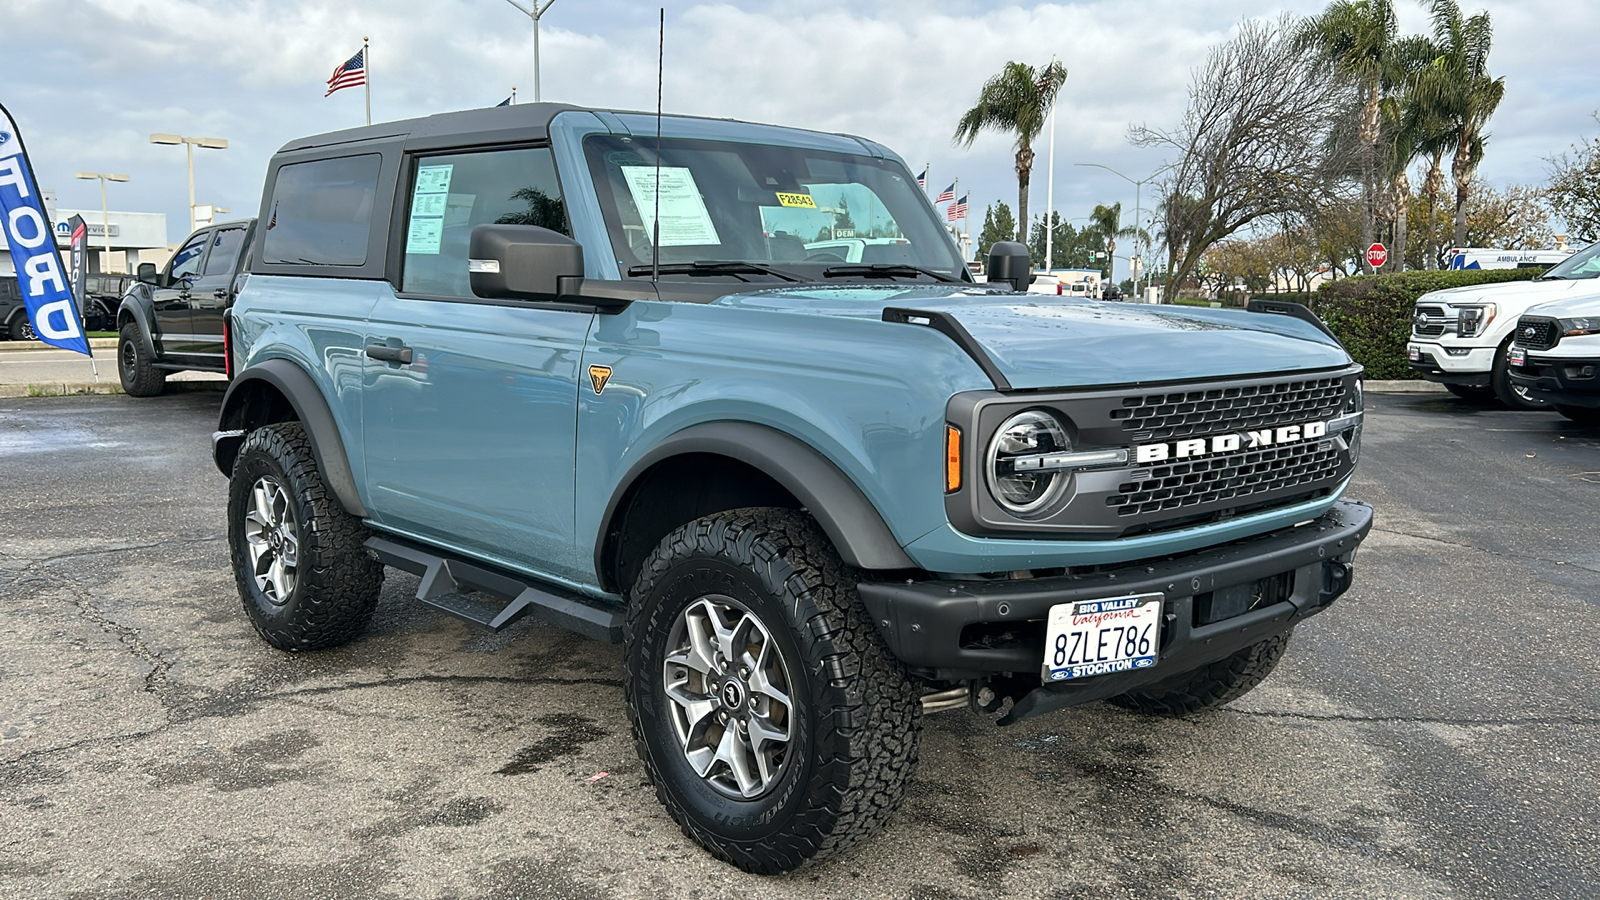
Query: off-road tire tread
x: 339, y: 581
x: 1210, y: 686
x: 145, y: 380
x: 868, y: 699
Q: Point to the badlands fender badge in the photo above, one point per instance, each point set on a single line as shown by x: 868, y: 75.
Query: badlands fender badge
x: 1228, y: 443
x: 598, y: 376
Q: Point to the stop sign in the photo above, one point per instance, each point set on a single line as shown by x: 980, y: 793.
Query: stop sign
x: 1377, y: 255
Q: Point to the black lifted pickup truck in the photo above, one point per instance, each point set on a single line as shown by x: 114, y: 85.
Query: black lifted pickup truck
x: 171, y: 320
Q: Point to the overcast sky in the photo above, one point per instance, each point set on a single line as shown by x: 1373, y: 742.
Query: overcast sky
x: 89, y: 80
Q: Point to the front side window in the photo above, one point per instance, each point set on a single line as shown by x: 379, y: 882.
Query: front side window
x: 802, y: 211
x: 321, y: 212
x: 1583, y: 264
x: 186, y: 262
x: 451, y: 194
x: 224, y: 250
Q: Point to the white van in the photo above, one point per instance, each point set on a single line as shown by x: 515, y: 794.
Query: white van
x: 1480, y: 258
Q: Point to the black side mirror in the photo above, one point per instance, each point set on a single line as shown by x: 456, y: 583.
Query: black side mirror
x: 523, y: 262
x: 147, y: 273
x: 1008, y: 262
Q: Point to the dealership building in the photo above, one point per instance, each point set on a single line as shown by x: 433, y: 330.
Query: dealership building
x: 134, y: 237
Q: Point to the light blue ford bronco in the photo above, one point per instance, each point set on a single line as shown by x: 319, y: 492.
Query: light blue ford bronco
x: 726, y: 393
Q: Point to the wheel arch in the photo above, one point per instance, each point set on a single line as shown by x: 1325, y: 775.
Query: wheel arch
x: 736, y: 464
x: 135, y: 308
x: 278, y: 390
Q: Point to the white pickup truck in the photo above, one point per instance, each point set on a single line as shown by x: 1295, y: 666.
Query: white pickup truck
x: 1461, y: 337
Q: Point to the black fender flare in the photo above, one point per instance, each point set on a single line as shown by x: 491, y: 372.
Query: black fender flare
x: 845, y: 514
x: 310, y: 407
x: 136, y: 306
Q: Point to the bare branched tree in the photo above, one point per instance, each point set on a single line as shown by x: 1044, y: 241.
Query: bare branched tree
x: 1259, y: 138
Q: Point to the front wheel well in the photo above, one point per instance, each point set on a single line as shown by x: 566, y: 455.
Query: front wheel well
x: 673, y: 492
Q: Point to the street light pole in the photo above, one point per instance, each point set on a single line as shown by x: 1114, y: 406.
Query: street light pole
x: 1138, y: 210
x: 105, y: 215
x: 535, y: 12
x: 191, y: 144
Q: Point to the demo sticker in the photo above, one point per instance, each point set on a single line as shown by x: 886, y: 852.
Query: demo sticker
x: 802, y: 201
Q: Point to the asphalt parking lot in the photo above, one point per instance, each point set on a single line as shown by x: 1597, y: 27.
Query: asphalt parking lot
x: 1436, y: 733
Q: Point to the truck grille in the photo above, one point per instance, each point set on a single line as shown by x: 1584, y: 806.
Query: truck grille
x: 1217, y: 410
x: 1430, y: 321
x: 1231, y: 477
x: 1538, y: 332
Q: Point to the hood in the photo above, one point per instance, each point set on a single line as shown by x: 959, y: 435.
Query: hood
x: 1511, y: 291
x: 1586, y: 304
x: 1061, y: 342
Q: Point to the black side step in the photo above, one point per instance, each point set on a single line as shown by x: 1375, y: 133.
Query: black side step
x: 495, y: 599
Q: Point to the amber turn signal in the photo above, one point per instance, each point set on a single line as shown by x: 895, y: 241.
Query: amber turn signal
x: 952, y: 459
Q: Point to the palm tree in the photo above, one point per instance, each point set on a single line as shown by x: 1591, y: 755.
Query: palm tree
x: 1108, y: 222
x: 1017, y: 100
x: 1358, y: 38
x: 1457, y: 84
x: 1410, y: 128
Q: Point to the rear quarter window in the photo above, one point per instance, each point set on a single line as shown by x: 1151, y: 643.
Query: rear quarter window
x: 321, y: 212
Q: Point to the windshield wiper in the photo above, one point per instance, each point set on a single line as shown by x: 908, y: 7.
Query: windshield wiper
x: 715, y: 267
x: 884, y: 270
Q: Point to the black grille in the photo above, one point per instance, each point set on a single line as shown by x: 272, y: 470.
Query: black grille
x: 1538, y: 332
x: 1421, y: 324
x: 1237, y: 475
x: 1191, y: 413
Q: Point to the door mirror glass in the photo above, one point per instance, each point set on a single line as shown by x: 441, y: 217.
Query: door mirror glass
x: 147, y: 273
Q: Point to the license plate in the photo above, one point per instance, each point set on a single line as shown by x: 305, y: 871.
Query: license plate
x: 1099, y: 637
x: 1519, y: 356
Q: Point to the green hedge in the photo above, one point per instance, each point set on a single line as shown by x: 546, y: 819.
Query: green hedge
x: 1371, y: 314
x: 1303, y: 298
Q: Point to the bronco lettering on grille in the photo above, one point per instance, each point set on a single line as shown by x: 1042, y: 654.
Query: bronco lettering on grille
x: 1228, y: 443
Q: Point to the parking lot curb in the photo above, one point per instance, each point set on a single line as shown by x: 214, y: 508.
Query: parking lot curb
x: 64, y: 389
x: 33, y: 346
x: 1403, y: 387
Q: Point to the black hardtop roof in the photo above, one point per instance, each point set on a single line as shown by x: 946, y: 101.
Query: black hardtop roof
x: 523, y: 121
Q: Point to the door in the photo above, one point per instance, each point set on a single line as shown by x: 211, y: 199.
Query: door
x: 469, y: 406
x: 170, y: 296
x: 210, y: 293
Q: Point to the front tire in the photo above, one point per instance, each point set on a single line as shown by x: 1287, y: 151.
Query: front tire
x: 135, y: 368
x: 299, y: 560
x: 775, y: 724
x: 1509, y: 393
x: 1209, y: 686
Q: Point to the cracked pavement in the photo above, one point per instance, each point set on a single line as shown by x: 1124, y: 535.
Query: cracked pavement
x: 1435, y: 734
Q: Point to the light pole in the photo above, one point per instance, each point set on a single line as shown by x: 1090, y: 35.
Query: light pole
x: 190, y: 143
x: 105, y: 217
x: 534, y: 11
x: 1138, y: 209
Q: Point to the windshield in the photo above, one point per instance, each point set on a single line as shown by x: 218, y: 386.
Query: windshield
x: 1583, y: 264
x: 794, y: 211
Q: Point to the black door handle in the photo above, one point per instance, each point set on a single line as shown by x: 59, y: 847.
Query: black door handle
x: 401, y: 355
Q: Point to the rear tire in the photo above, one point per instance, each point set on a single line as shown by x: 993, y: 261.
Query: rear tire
x: 135, y: 368
x: 1508, y: 393
x: 303, y: 572
x: 772, y: 719
x: 1210, y: 686
x: 1583, y: 415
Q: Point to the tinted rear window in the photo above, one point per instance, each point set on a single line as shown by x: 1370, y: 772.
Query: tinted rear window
x: 321, y: 212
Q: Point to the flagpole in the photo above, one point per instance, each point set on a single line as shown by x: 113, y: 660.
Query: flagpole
x: 513, y: 95
x: 1050, y: 187
x: 927, y: 176
x: 366, y: 60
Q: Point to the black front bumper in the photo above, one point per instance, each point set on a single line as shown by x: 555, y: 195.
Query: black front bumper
x: 932, y: 625
x: 1569, y: 382
x: 1428, y: 367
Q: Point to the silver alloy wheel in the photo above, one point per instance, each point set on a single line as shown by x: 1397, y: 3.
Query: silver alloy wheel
x: 270, y: 536
x: 729, y: 687
x: 25, y: 330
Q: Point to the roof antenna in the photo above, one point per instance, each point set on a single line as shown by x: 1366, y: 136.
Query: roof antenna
x: 655, y: 237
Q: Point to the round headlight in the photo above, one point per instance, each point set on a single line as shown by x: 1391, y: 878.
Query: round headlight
x: 1024, y: 489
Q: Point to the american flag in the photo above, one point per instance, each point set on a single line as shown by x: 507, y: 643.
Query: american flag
x: 351, y: 73
x: 922, y: 180
x: 948, y: 193
x: 958, y: 209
